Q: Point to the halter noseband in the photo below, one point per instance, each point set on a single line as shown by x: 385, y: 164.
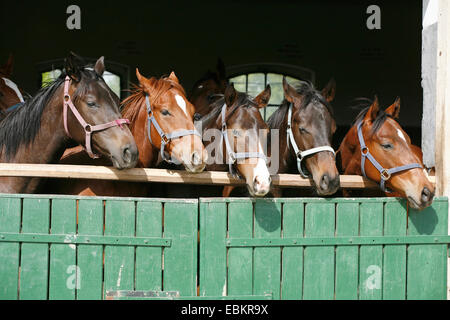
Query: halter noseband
x: 165, y: 138
x: 300, y: 155
x: 233, y: 156
x: 385, y: 174
x: 88, y: 129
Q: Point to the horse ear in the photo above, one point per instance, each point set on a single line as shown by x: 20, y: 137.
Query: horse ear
x: 8, y: 67
x: 329, y: 91
x: 72, y: 68
x: 221, y: 69
x: 230, y: 95
x: 100, y: 66
x: 173, y: 77
x: 263, y: 98
x: 289, y: 92
x: 373, y: 110
x: 140, y: 77
x: 394, y: 109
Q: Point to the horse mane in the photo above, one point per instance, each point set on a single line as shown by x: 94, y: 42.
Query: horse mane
x: 242, y: 100
x: 309, y: 93
x: 365, y: 104
x: 20, y: 126
x: 132, y: 104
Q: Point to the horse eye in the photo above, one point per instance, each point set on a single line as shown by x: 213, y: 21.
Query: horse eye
x: 91, y: 104
x: 165, y: 112
x: 303, y: 130
x: 387, y: 146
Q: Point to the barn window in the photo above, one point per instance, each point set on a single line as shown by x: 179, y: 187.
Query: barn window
x: 116, y: 77
x: 252, y: 79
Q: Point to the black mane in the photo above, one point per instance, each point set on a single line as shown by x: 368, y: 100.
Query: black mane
x: 21, y: 125
x: 309, y: 93
x: 242, y: 100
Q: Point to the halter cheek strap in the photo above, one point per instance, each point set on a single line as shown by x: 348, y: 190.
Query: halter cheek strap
x: 88, y: 129
x: 233, y: 156
x: 165, y: 138
x: 385, y: 174
x: 300, y: 155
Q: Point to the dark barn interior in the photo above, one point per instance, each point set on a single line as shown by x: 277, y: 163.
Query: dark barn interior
x: 328, y: 37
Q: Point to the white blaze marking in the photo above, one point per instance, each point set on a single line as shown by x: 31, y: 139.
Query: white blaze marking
x: 400, y: 134
x: 14, y: 87
x: 261, y: 170
x: 181, y: 103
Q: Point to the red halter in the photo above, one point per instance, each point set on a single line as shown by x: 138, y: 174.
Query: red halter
x: 88, y: 129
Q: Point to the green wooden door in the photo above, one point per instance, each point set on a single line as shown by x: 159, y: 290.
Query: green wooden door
x: 323, y: 248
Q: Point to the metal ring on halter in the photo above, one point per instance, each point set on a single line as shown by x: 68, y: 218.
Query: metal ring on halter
x: 385, y: 175
x: 366, y: 149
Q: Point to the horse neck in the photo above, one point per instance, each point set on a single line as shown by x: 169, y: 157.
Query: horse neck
x: 148, y: 154
x: 47, y: 147
x: 350, y: 153
x: 286, y: 156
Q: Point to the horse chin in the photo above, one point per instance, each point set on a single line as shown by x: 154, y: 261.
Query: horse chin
x: 416, y: 205
x: 194, y: 169
x: 257, y: 194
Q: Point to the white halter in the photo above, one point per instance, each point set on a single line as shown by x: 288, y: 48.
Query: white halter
x: 300, y: 155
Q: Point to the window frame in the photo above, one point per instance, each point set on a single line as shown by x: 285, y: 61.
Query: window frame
x: 121, y: 70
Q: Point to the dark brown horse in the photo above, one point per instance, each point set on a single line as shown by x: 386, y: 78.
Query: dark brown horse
x: 11, y: 96
x: 207, y: 90
x: 172, y: 113
x: 36, y: 133
x: 311, y: 130
x: 390, y: 158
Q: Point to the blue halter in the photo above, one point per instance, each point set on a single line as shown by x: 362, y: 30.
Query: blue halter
x: 165, y: 138
x: 384, y: 173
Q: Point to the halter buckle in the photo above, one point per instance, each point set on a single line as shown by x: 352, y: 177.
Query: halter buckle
x: 88, y: 128
x: 165, y: 139
x: 365, y: 151
x: 385, y: 175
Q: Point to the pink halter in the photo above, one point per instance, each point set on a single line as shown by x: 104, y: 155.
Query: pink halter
x: 89, y: 129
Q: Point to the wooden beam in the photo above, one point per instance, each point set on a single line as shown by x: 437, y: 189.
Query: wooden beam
x: 159, y: 175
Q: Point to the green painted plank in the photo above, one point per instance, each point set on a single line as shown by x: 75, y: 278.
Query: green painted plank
x: 240, y: 260
x: 9, y: 252
x: 318, y: 282
x: 180, y: 260
x: 90, y: 258
x: 213, y: 252
x: 371, y: 257
x: 63, y: 269
x: 292, y: 258
x: 267, y: 261
x: 427, y: 264
x: 347, y: 224
x: 394, y: 263
x: 34, y: 257
x: 149, y: 260
x: 120, y: 219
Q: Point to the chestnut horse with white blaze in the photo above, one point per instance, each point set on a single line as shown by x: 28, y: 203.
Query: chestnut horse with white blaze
x: 78, y: 106
x: 377, y: 147
x: 161, y: 121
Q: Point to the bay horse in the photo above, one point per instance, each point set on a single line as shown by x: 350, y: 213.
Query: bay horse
x: 377, y: 147
x: 11, y: 95
x: 306, y: 124
x: 208, y: 88
x: 236, y: 125
x: 164, y: 99
x: 40, y: 130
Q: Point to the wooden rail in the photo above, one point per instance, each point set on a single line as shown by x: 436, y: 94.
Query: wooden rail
x: 159, y: 175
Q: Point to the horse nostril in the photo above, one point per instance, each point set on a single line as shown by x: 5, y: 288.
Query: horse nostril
x: 426, y: 195
x: 325, y: 182
x: 127, y: 154
x: 196, y: 159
